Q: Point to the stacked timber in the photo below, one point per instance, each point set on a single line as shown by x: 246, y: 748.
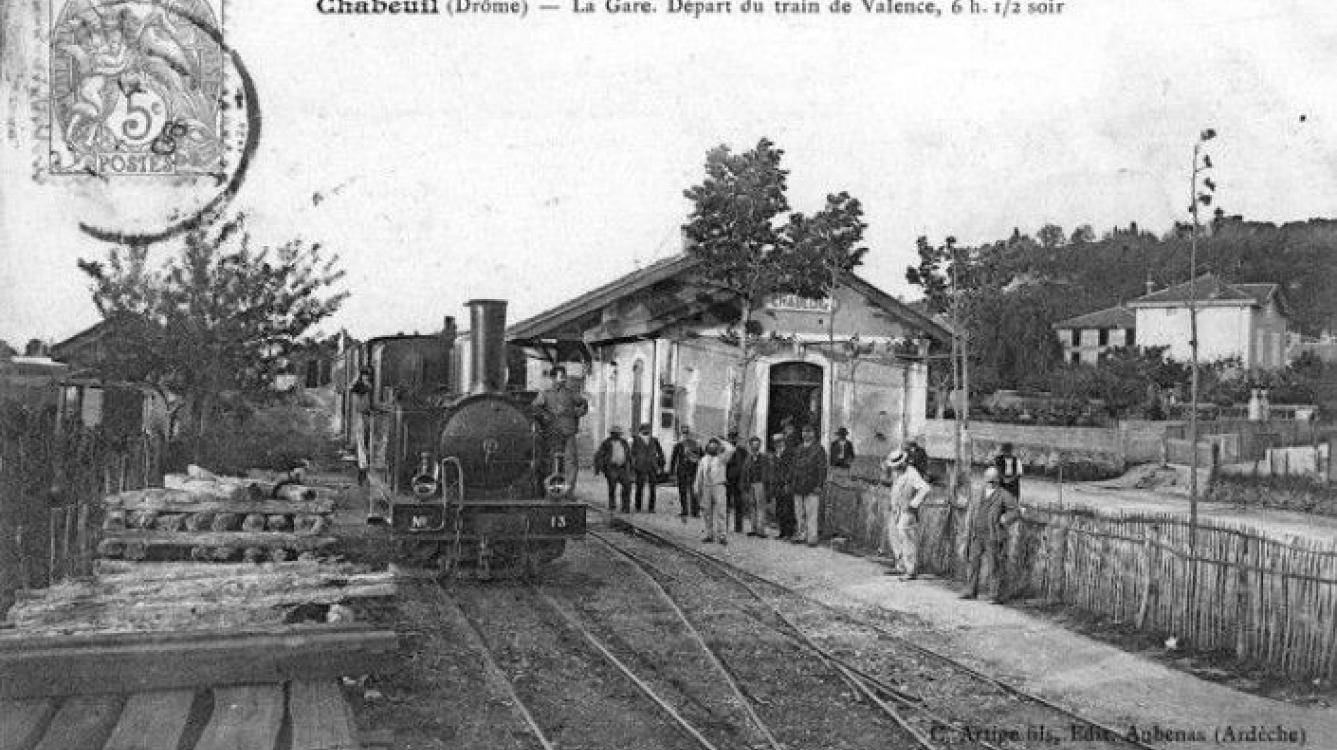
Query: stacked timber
x: 221, y: 519
x: 173, y: 597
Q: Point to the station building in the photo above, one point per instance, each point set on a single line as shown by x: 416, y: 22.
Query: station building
x: 659, y: 346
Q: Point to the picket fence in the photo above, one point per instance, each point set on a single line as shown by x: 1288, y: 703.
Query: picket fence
x: 1272, y: 603
x: 50, y: 485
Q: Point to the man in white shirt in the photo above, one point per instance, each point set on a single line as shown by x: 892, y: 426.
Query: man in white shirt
x: 712, y: 486
x: 908, y: 492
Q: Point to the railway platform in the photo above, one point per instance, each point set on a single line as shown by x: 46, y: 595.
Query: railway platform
x: 1096, y: 679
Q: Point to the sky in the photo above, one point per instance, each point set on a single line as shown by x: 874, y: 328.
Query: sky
x: 534, y: 158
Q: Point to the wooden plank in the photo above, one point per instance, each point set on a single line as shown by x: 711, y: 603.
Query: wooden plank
x: 152, y: 721
x: 172, y: 665
x: 221, y: 539
x: 28, y: 642
x: 82, y: 723
x: 244, y: 718
x: 23, y: 722
x: 182, y: 501
x: 321, y: 718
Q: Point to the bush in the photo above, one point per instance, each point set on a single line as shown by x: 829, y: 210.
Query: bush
x: 270, y: 437
x: 1300, y: 494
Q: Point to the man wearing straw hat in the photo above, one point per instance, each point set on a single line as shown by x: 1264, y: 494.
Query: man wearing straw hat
x: 908, y: 492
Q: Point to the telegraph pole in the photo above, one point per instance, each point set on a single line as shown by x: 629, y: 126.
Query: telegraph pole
x: 1200, y: 164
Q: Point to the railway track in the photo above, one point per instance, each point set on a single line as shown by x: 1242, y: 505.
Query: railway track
x: 1000, y: 715
x: 566, y: 687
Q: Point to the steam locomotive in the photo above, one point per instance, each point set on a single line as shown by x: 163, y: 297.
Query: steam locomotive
x: 463, y: 478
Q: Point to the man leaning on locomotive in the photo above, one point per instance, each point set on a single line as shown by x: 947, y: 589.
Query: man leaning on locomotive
x: 561, y: 408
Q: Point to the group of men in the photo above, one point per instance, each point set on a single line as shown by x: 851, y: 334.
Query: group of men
x: 721, y: 475
x: 785, y: 482
x: 989, y: 517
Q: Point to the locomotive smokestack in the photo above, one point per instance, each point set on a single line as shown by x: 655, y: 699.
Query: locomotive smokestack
x: 487, y: 340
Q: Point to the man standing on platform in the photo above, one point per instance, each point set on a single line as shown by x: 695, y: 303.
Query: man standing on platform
x: 782, y: 491
x: 758, y: 477
x: 988, y: 521
x: 712, y: 479
x: 613, y: 460
x: 808, y: 483
x: 842, y: 450
x: 561, y: 408
x: 908, y: 492
x: 647, y: 460
x: 683, y: 465
x: 737, y: 497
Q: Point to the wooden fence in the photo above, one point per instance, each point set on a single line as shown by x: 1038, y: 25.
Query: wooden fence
x: 1269, y: 602
x: 50, y: 482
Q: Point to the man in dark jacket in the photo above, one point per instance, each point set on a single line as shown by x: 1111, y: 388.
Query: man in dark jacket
x: 613, y: 460
x: 647, y: 460
x: 988, y: 522
x: 735, y: 487
x: 782, y: 492
x: 758, y: 473
x: 842, y: 450
x: 560, y: 409
x: 808, y: 482
x: 686, y: 457
x: 1009, y: 471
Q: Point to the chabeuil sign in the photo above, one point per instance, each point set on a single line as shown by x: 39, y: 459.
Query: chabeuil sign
x: 795, y: 303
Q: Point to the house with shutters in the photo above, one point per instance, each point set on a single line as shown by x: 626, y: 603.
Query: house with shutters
x: 659, y: 346
x: 1086, y: 338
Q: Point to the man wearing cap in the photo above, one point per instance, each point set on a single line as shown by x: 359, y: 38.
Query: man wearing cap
x: 613, y: 460
x: 842, y: 450
x: 758, y: 473
x: 808, y: 480
x: 988, y: 520
x: 560, y: 409
x: 647, y: 460
x: 712, y: 482
x: 782, y: 492
x: 908, y: 492
x: 682, y: 465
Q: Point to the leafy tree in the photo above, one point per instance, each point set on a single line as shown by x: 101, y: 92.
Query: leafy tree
x: 6, y: 351
x: 1051, y: 236
x: 211, y: 328
x: 751, y: 247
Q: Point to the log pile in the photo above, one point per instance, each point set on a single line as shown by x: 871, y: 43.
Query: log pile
x: 173, y: 597
x: 203, y: 517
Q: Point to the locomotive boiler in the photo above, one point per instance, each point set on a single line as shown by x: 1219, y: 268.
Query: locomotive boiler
x: 461, y: 474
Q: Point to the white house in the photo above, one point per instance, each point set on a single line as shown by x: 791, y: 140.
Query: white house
x: 1248, y: 321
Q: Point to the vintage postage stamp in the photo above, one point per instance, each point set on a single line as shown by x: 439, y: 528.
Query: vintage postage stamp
x: 136, y: 87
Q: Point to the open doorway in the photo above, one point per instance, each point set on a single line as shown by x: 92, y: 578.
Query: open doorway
x: 796, y: 395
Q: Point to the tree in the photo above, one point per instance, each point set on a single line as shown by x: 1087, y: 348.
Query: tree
x: 211, y: 328
x: 751, y: 248
x: 1051, y: 236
